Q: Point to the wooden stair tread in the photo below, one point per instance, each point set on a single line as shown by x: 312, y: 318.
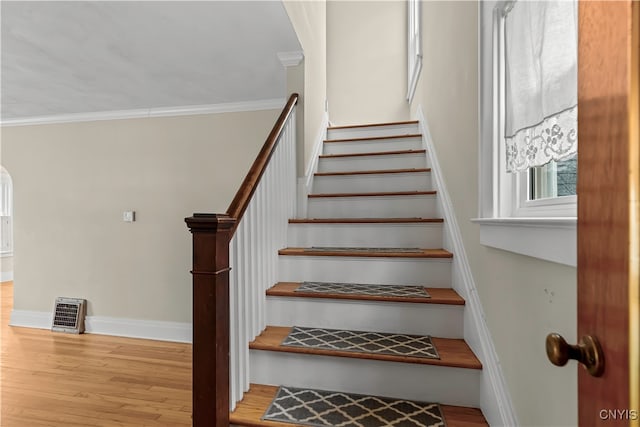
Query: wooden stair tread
x: 374, y: 172
x: 373, y: 153
x: 369, y: 125
x: 373, y: 138
x: 250, y: 410
x: 377, y: 194
x: 363, y: 220
x: 438, y: 295
x: 453, y: 352
x: 420, y: 253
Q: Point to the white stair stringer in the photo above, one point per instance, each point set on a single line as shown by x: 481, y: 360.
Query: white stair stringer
x: 443, y: 384
x: 372, y: 145
x: 415, y: 159
x: 356, y: 183
x: 430, y: 272
x: 440, y: 320
x: 371, y: 235
x: 374, y: 206
x: 373, y: 131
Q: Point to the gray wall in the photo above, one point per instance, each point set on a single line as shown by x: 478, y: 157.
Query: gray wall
x: 73, y: 181
x: 367, y: 61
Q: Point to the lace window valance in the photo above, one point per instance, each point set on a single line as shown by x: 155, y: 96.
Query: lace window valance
x: 541, y: 83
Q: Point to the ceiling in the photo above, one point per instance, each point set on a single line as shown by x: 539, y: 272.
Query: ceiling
x: 79, y: 57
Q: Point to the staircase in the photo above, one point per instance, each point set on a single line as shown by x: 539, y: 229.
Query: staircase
x: 373, y: 219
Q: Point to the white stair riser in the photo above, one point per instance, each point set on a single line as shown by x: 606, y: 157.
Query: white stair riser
x: 429, y: 272
x: 372, y: 146
x: 367, y: 163
x: 446, y: 385
x: 444, y: 321
x: 422, y: 206
x: 372, y: 182
x: 421, y: 235
x: 367, y: 132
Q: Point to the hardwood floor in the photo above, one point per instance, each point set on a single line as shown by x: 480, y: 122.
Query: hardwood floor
x: 55, y: 379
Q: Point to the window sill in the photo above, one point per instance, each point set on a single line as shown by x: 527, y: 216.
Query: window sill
x: 551, y: 239
x: 6, y: 254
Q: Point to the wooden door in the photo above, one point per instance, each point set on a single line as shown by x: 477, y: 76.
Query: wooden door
x: 608, y: 210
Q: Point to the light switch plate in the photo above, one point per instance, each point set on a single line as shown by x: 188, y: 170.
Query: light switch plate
x: 129, y: 216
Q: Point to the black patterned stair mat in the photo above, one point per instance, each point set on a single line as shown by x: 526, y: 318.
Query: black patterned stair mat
x: 401, y: 291
x: 321, y: 408
x: 361, y: 249
x: 362, y: 342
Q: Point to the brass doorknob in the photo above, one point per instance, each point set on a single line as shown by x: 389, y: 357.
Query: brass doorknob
x: 588, y: 352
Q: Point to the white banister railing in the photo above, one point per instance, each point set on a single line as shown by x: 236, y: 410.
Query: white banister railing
x: 253, y: 254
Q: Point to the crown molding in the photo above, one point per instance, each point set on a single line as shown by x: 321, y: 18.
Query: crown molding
x: 290, y: 59
x: 187, y: 110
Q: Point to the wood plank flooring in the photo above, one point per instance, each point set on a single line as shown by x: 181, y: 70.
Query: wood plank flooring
x: 259, y: 397
x: 55, y: 379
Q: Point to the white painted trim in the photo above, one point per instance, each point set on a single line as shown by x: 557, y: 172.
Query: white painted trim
x: 551, y: 239
x: 31, y: 319
x: 305, y: 182
x: 6, y: 276
x: 495, y: 400
x: 501, y: 195
x: 290, y: 59
x: 130, y: 328
x: 415, y: 76
x: 187, y: 110
x: 414, y: 46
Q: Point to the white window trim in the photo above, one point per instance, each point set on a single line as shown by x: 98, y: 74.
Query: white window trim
x: 544, y: 229
x: 414, y: 46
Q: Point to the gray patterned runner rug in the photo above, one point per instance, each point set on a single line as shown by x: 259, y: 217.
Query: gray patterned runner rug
x: 362, y: 342
x: 320, y: 408
x: 363, y: 289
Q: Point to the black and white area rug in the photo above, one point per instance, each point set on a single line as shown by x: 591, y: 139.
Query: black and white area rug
x: 344, y: 249
x: 322, y: 408
x: 363, y: 289
x: 362, y: 342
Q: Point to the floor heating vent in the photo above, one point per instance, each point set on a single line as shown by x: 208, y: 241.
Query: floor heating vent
x: 69, y: 315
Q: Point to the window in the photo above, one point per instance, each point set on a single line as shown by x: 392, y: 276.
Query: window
x: 6, y: 208
x: 414, y: 53
x: 524, y: 207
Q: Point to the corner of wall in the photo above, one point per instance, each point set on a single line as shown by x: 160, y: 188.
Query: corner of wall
x: 305, y: 182
x: 495, y: 400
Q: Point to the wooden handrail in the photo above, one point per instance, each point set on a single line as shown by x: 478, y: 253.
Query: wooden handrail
x: 241, y: 201
x: 211, y: 309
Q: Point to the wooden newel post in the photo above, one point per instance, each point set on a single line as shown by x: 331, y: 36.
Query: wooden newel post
x: 211, y: 236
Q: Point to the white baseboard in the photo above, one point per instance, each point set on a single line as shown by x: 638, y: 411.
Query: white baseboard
x: 130, y: 328
x: 6, y: 276
x: 495, y: 400
x: 305, y: 182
